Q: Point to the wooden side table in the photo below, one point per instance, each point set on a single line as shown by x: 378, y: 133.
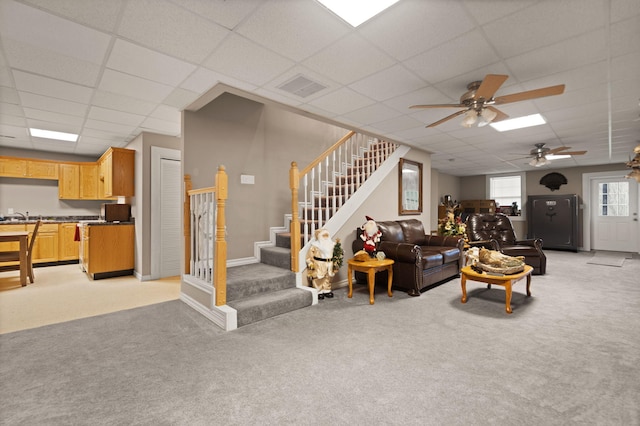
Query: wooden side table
x: 370, y: 267
x: 506, y: 281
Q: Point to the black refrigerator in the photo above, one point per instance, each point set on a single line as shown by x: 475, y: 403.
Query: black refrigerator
x: 554, y: 218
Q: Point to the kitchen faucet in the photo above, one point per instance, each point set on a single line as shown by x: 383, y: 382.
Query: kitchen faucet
x: 21, y: 215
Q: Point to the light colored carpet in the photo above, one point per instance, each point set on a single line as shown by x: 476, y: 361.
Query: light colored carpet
x: 64, y: 293
x: 609, y: 258
x: 568, y: 355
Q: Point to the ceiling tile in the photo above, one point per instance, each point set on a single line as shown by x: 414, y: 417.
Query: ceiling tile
x: 412, y: 27
x: 226, y: 13
x: 113, y: 116
x: 371, y: 114
x: 122, y: 103
x: 145, y: 63
x: 388, y: 83
x: 27, y: 57
x: 296, y: 29
x: 93, y: 13
x: 30, y: 83
x: 349, y: 59
x: 30, y: 100
x: 170, y: 29
x: 37, y: 28
x: 230, y: 58
x: 135, y: 87
x: 341, y: 101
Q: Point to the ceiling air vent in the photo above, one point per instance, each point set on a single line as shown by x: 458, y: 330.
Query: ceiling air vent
x: 301, y: 86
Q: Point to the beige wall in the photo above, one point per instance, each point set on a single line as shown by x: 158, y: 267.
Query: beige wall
x: 251, y: 138
x: 40, y: 196
x: 474, y: 187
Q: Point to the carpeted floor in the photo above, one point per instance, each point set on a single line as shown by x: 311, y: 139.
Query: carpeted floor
x: 568, y: 355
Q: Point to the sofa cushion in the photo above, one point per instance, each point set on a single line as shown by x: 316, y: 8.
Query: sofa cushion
x: 391, y: 231
x: 449, y: 254
x: 413, y: 231
x: 430, y: 258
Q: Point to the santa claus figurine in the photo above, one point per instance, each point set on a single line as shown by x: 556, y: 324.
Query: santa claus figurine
x: 320, y: 263
x: 371, y: 236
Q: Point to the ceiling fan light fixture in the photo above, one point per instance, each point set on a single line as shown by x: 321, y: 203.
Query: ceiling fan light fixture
x: 539, y: 162
x: 470, y: 119
x: 486, y: 117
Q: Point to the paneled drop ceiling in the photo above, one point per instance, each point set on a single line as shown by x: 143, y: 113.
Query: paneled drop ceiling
x: 109, y: 70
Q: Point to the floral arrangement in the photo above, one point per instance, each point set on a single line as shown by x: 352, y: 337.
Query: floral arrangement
x: 451, y: 226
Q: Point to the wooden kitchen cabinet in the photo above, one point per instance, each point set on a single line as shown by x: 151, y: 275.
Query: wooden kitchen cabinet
x: 68, y: 248
x: 45, y: 249
x: 108, y: 250
x: 89, y: 181
x: 69, y: 181
x: 116, y: 173
x: 13, y: 167
x: 23, y: 168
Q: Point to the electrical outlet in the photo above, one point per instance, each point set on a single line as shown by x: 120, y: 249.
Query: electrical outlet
x: 9, y: 210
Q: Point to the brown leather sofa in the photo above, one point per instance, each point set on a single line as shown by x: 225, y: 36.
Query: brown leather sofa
x: 421, y: 260
x: 495, y: 231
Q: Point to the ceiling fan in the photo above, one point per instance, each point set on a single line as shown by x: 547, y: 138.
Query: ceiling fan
x: 478, y: 101
x: 542, y: 155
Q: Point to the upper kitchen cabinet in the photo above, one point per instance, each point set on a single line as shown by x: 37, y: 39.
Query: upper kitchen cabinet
x: 116, y: 173
x: 24, y: 168
x: 69, y: 182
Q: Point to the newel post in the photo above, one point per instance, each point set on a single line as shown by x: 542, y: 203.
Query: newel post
x: 188, y: 186
x: 220, y: 268
x: 294, y: 184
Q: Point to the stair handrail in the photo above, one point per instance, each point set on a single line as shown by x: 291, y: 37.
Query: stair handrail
x: 335, y: 160
x: 220, y: 191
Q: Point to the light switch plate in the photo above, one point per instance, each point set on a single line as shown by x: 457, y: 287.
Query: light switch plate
x: 247, y: 179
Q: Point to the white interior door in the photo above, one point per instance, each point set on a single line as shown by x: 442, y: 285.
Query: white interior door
x: 166, y: 211
x: 614, y: 218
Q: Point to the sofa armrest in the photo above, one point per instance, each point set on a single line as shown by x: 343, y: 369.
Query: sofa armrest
x: 488, y: 244
x: 401, y: 252
x: 533, y: 242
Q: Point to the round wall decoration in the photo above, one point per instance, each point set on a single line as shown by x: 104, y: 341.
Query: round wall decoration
x: 553, y: 180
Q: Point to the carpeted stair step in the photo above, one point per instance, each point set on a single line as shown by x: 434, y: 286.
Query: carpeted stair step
x: 249, y: 280
x: 276, y: 256
x: 266, y: 305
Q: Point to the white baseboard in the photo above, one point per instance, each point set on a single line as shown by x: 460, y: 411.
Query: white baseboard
x: 224, y: 316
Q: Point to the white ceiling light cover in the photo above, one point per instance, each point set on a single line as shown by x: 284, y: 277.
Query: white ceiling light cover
x: 355, y: 12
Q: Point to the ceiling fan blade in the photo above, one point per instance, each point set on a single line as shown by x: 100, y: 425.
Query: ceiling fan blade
x: 558, y: 149
x: 530, y: 94
x: 439, y: 106
x: 500, y: 115
x: 574, y: 153
x: 447, y: 118
x: 490, y: 86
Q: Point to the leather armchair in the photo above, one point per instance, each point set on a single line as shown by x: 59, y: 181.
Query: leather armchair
x: 495, y: 231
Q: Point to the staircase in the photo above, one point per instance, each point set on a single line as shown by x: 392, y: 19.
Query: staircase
x: 266, y: 289
x: 262, y: 290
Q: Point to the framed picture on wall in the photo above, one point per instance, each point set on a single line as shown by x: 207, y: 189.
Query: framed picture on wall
x: 409, y: 187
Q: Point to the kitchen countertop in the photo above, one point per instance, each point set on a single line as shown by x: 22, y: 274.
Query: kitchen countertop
x: 61, y: 219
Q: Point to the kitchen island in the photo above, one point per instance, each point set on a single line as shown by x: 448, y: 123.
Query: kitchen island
x: 107, y: 248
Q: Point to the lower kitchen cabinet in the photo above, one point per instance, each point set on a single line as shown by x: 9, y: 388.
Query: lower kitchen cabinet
x: 45, y: 249
x: 68, y: 248
x: 107, y: 250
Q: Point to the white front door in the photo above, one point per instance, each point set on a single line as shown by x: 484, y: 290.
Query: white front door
x: 614, y: 218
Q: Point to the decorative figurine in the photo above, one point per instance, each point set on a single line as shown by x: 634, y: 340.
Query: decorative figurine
x: 324, y: 258
x: 371, y: 236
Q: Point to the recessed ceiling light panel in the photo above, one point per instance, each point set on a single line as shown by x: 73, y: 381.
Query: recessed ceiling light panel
x: 519, y: 123
x: 50, y: 134
x: 355, y: 12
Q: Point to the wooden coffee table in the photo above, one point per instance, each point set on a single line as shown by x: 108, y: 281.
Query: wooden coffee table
x: 506, y: 281
x: 370, y: 267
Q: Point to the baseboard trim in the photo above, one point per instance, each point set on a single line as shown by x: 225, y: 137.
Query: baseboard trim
x: 224, y: 316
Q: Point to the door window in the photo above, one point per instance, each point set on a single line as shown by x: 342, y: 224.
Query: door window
x: 613, y: 199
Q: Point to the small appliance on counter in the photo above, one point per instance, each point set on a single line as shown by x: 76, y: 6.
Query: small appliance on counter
x: 115, y: 212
